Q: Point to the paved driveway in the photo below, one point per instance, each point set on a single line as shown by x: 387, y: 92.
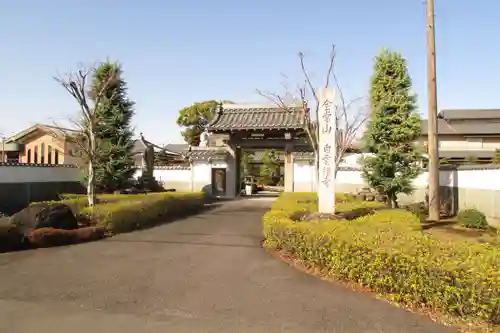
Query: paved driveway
x: 206, y: 273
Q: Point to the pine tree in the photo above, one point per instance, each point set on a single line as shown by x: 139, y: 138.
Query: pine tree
x: 115, y: 166
x: 392, y: 129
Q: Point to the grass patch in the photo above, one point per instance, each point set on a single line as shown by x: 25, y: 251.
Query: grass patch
x: 78, y: 202
x: 389, y: 253
x: 144, y: 211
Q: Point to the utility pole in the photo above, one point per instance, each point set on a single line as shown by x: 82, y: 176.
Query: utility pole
x: 432, y: 142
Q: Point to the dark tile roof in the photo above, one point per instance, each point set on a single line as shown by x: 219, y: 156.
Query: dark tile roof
x: 303, y: 154
x: 202, y: 154
x: 481, y: 126
x: 256, y: 117
x: 173, y: 167
x: 141, y: 144
x: 177, y: 147
x: 466, y: 153
x: 469, y: 114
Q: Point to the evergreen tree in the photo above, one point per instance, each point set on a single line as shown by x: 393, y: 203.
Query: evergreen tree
x: 115, y: 166
x: 194, y: 118
x: 392, y: 129
x: 270, y: 166
x: 247, y: 160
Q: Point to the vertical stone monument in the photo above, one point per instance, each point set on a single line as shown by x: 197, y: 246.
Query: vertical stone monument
x: 326, y: 152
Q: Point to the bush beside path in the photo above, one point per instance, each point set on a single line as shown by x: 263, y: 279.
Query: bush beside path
x: 113, y: 214
x: 387, y: 252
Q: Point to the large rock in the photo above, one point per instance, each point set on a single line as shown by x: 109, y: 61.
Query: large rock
x: 44, y: 215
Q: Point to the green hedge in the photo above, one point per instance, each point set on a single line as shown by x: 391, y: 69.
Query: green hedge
x: 129, y: 215
x: 78, y: 202
x: 120, y: 213
x: 388, y: 252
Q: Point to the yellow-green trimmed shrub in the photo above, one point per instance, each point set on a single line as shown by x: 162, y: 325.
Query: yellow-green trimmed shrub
x: 125, y: 216
x: 78, y: 202
x: 388, y: 252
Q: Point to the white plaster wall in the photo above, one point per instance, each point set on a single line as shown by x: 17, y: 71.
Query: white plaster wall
x: 38, y: 174
x: 483, y: 179
x: 177, y: 175
x: 202, y: 174
x: 487, y: 179
x: 303, y: 176
x: 196, y: 178
x: 353, y: 160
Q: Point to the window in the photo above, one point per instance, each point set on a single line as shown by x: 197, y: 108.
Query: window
x: 12, y: 157
x: 28, y: 156
x: 56, y: 156
x: 42, y: 153
x: 36, y: 155
x: 49, y: 155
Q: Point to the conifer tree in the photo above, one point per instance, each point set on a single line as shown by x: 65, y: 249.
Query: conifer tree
x: 115, y: 165
x: 392, y: 129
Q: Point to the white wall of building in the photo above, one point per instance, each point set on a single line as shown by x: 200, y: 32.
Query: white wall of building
x: 19, y: 173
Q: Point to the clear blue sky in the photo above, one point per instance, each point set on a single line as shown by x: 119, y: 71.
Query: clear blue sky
x: 176, y: 52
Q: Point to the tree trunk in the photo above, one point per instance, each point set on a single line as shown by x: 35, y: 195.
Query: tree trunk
x: 393, y: 200
x: 91, y: 176
x: 91, y: 184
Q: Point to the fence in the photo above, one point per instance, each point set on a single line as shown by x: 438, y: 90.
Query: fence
x: 21, y: 184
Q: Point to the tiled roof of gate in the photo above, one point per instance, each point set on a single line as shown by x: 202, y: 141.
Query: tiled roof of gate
x: 256, y: 117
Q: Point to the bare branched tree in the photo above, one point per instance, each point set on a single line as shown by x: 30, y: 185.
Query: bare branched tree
x: 348, y: 119
x: 83, y: 136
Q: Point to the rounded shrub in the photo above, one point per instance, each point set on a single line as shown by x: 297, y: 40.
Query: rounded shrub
x: 388, y: 253
x: 472, y: 218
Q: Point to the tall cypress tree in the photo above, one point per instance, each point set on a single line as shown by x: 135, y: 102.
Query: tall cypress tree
x: 115, y: 166
x: 393, y: 129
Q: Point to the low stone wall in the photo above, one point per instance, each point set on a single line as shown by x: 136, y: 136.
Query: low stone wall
x: 16, y: 196
x: 22, y: 183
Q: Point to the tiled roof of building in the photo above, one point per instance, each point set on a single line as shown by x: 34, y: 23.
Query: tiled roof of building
x: 473, y: 126
x: 231, y: 117
x: 303, y: 154
x: 58, y: 131
x: 202, y: 154
x: 177, y: 147
x: 466, y: 121
x: 141, y: 144
x: 469, y: 114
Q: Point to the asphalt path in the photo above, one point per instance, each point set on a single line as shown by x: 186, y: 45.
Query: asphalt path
x: 205, y: 273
